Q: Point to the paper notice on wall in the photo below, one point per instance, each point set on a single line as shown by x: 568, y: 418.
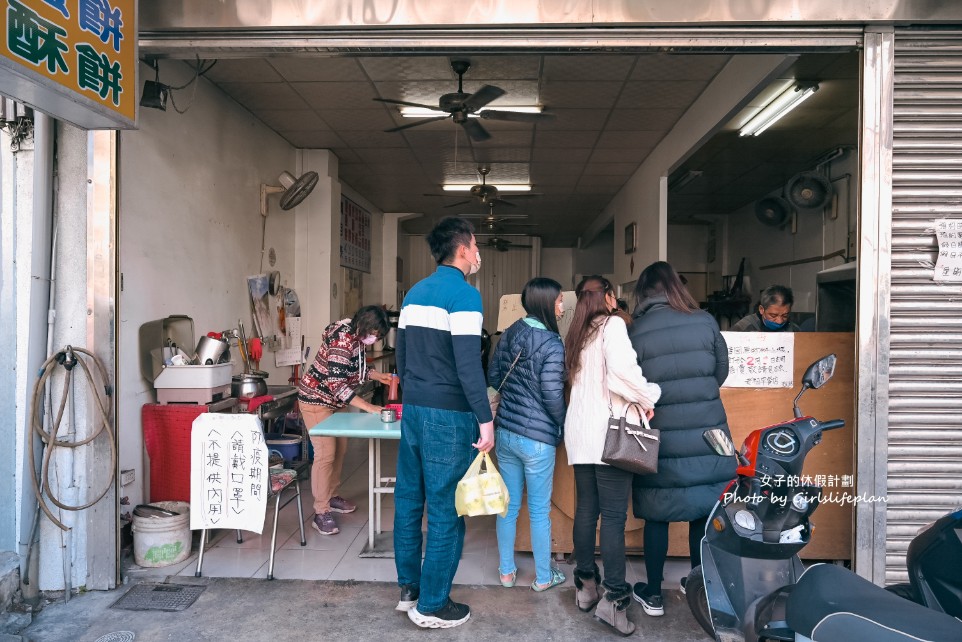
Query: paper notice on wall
x: 948, y: 268
x: 229, y: 479
x: 760, y: 359
x: 511, y: 310
x: 290, y: 354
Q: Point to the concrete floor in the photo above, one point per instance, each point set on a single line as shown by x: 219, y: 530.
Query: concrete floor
x: 354, y: 596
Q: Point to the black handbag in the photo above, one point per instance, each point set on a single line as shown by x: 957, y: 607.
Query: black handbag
x: 632, y: 447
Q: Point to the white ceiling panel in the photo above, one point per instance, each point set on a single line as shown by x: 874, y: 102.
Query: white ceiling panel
x: 610, y: 110
x: 400, y: 68
x: 575, y: 119
x: 620, y: 140
x: 644, y: 119
x: 307, y: 69
x: 242, y: 70
x: 566, y: 139
x: 372, y: 120
x: 670, y: 67
x: 367, y: 138
x: 313, y: 139
x: 587, y: 67
x: 334, y: 95
x: 659, y: 94
x: 257, y: 96
x: 582, y: 94
x: 292, y: 120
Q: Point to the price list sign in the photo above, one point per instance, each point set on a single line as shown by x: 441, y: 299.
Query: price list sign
x: 948, y: 268
x: 355, y: 236
x: 228, y: 472
x: 760, y: 359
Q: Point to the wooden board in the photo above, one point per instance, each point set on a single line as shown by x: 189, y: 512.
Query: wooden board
x: 750, y: 409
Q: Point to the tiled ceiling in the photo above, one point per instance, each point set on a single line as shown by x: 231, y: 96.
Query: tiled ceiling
x: 609, y: 111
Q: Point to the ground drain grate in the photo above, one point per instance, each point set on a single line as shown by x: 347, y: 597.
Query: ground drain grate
x: 117, y: 636
x: 158, y: 597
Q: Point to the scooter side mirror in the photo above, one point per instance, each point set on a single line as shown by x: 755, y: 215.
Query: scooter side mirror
x: 819, y: 372
x: 720, y: 442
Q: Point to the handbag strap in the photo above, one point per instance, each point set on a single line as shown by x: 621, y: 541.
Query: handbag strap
x: 604, y: 368
x: 510, y: 369
x: 604, y: 383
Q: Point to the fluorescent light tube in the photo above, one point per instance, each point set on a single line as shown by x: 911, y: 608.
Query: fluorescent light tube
x: 466, y: 187
x: 773, y: 111
x: 422, y: 112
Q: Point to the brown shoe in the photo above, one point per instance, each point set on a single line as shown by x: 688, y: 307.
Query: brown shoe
x: 325, y: 524
x: 341, y: 505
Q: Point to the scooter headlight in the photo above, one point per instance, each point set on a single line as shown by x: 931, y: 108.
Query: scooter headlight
x: 745, y: 519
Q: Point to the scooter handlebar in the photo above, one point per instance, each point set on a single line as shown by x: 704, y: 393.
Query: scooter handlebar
x: 833, y: 424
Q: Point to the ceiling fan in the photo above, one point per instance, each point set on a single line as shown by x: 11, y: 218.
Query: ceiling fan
x: 460, y: 105
x: 502, y: 244
x: 488, y: 194
x: 494, y: 224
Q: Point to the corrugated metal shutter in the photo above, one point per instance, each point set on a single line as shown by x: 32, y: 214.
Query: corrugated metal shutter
x: 925, y: 376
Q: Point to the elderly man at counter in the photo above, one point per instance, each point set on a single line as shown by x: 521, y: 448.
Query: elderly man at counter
x: 774, y: 308
x: 329, y: 385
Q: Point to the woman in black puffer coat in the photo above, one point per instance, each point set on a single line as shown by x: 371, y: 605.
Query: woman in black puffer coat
x: 680, y: 348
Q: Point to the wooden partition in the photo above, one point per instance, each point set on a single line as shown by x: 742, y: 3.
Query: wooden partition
x: 749, y: 409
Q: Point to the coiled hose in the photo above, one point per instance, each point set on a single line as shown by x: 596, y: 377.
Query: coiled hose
x: 68, y: 359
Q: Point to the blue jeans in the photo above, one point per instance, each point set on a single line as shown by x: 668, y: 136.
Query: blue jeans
x: 434, y: 454
x: 522, y: 459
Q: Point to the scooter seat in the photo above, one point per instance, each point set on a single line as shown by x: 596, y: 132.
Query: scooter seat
x: 830, y: 603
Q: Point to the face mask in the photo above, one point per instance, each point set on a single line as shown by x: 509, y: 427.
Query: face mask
x: 369, y: 340
x: 474, y: 268
x: 771, y: 325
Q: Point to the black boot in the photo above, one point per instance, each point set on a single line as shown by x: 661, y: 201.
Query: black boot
x: 587, y: 596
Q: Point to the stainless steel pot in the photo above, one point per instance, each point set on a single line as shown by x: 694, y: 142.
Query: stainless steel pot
x: 248, y: 385
x: 210, y: 351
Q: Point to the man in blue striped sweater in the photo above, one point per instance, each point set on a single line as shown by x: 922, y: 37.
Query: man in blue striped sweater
x: 445, y: 408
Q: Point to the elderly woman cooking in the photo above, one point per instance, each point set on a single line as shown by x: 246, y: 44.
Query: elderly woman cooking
x: 329, y: 385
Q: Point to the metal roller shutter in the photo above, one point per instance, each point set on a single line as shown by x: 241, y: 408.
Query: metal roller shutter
x: 925, y: 375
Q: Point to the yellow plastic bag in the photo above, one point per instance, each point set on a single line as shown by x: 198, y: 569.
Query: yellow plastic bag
x: 481, y: 493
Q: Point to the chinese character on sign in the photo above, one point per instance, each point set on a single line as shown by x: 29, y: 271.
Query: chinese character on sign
x: 99, y: 18
x: 948, y: 267
x: 59, y: 5
x: 35, y: 39
x: 97, y: 74
x: 226, y: 485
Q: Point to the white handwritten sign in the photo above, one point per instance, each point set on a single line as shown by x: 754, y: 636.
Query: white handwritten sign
x: 760, y: 359
x: 228, y: 472
x: 511, y: 310
x: 948, y: 268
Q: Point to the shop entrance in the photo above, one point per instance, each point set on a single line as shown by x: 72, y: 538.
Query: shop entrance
x: 613, y: 113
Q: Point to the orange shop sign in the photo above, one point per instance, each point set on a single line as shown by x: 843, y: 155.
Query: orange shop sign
x: 73, y: 59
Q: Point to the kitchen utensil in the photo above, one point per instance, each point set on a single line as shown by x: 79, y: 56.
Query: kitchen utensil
x: 210, y: 351
x: 242, y: 344
x: 248, y: 385
x: 388, y: 416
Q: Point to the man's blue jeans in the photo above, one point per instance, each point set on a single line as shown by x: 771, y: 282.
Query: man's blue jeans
x: 522, y: 459
x: 434, y: 454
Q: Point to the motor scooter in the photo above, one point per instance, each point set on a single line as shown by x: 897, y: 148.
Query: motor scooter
x: 751, y: 584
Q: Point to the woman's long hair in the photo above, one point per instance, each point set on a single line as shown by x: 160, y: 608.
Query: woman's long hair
x: 661, y: 278
x: 591, y: 305
x: 538, y: 298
